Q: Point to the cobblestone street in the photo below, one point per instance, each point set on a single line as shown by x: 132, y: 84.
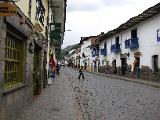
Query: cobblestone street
x: 95, y: 98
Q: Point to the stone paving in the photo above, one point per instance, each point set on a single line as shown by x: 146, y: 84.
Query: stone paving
x: 96, y: 98
x: 55, y: 103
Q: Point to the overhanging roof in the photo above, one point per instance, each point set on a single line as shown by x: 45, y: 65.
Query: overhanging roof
x: 150, y: 12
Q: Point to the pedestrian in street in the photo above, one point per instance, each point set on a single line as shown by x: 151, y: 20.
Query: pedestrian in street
x: 57, y: 69
x: 136, y: 70
x: 51, y: 69
x: 81, y: 73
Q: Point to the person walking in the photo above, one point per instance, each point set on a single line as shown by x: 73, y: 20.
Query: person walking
x: 81, y: 74
x: 57, y: 69
x: 51, y: 69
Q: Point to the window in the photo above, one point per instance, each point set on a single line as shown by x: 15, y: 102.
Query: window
x: 134, y: 33
x: 117, y: 40
x: 13, y: 73
x: 158, y: 35
x: 102, y: 52
x: 40, y: 12
x: 127, y: 43
x: 29, y: 9
x: 105, y: 49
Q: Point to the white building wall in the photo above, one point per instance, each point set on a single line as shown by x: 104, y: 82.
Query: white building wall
x: 86, y: 50
x: 148, y: 45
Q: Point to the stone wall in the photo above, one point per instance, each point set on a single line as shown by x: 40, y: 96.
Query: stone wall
x: 14, y: 100
x: 145, y: 72
x: 2, y: 53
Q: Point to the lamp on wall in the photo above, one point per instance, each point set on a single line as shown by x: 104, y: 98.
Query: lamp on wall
x: 128, y: 54
x: 52, y: 27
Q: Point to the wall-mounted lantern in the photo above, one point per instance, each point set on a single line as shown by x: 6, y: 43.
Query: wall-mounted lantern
x: 31, y: 46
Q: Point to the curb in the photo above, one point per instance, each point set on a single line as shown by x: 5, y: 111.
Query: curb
x: 145, y: 82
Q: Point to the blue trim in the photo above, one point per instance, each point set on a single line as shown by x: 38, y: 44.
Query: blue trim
x: 158, y: 37
x: 134, y: 43
x: 115, y: 48
x: 127, y: 43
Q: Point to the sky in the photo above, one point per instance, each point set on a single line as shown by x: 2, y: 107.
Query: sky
x: 91, y: 17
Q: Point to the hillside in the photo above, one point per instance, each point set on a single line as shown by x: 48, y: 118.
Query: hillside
x: 67, y: 49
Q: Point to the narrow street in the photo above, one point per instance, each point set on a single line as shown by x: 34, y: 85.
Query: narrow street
x: 95, y: 98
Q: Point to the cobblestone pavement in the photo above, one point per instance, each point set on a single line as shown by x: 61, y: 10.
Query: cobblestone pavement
x: 95, y: 98
x: 55, y: 103
x: 106, y: 98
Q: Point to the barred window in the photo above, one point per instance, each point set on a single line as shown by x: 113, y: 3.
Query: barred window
x: 13, y: 73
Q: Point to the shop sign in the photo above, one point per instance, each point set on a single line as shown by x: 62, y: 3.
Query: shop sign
x: 123, y: 56
x: 137, y: 54
x: 7, y: 9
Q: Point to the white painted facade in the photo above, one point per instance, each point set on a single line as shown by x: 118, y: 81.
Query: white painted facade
x: 148, y: 44
x: 77, y: 58
x: 86, y: 50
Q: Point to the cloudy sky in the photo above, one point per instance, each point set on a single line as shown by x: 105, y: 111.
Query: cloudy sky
x: 91, y: 17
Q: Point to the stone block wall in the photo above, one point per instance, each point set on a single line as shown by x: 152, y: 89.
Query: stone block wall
x: 102, y: 69
x: 145, y: 72
x: 13, y: 101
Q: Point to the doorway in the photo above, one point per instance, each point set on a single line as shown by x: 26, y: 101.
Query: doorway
x: 155, y: 63
x: 44, y: 70
x: 114, y: 66
x: 95, y: 66
x: 37, y: 71
x: 137, y: 67
x: 85, y: 65
x: 124, y: 65
x: 98, y: 65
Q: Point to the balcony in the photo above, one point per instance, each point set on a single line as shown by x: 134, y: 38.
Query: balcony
x: 115, y: 48
x: 95, y: 53
x: 55, y: 30
x: 127, y: 43
x: 134, y: 43
x: 55, y: 35
x: 103, y: 52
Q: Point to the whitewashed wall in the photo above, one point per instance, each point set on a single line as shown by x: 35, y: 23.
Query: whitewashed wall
x: 148, y: 45
x: 86, y: 50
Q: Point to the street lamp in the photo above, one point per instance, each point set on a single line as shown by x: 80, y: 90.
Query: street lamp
x: 68, y: 30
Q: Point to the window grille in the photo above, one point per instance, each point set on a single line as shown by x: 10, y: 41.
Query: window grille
x: 13, y: 73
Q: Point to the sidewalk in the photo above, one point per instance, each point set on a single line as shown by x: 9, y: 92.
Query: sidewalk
x: 145, y: 82
x: 55, y: 103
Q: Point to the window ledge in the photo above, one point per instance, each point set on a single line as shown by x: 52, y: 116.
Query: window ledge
x: 6, y: 92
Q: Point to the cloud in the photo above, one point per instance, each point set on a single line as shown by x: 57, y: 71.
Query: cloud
x: 91, y: 17
x: 118, y: 2
x: 93, y: 5
x: 84, y: 5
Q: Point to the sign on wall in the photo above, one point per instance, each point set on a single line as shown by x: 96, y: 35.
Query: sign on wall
x: 7, y: 9
x: 137, y: 54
